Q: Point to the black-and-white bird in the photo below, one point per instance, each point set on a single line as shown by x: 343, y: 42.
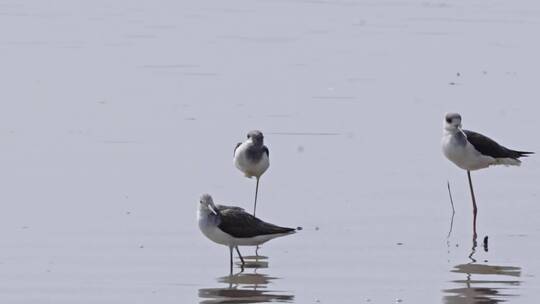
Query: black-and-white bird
x: 473, y: 151
x: 233, y: 227
x: 252, y: 158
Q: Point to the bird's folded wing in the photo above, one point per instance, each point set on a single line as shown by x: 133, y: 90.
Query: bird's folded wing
x: 241, y: 224
x: 488, y: 146
x: 237, y: 145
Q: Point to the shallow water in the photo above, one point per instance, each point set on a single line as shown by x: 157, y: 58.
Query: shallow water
x: 116, y: 116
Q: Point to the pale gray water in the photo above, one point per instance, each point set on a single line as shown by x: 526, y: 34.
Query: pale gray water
x: 116, y: 115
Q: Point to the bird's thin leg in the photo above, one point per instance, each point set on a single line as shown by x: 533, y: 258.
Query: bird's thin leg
x: 240, y: 256
x: 256, y: 192
x: 475, y: 209
x: 230, y: 254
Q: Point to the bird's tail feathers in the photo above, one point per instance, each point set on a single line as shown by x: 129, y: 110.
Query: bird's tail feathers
x: 523, y: 153
x: 507, y: 161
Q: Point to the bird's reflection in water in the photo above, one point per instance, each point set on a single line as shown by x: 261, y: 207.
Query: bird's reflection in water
x: 256, y: 261
x: 486, y: 284
x: 244, y: 287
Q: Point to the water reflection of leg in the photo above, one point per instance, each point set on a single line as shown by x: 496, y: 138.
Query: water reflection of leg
x: 244, y: 288
x: 484, y: 284
x: 256, y: 261
x: 473, y: 249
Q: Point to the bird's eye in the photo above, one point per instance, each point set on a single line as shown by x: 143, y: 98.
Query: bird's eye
x: 449, y: 120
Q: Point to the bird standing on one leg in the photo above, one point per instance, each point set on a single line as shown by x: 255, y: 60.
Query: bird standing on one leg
x: 233, y: 227
x: 252, y: 158
x: 473, y: 151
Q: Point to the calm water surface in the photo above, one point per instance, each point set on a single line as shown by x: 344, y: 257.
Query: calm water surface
x: 116, y: 116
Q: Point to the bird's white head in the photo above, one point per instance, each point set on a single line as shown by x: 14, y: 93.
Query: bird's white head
x: 207, y: 204
x: 452, y: 122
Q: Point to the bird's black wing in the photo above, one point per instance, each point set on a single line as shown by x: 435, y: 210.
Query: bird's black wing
x: 241, y: 224
x: 237, y: 145
x: 489, y: 147
x: 265, y: 150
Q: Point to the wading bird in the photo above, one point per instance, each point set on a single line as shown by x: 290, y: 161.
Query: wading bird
x: 473, y: 151
x: 252, y: 158
x: 233, y: 227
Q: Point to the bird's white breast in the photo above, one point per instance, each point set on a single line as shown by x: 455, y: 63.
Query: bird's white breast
x: 249, y: 167
x: 464, y: 155
x: 211, y: 231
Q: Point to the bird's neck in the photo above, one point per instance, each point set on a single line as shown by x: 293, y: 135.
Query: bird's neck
x: 449, y: 130
x: 204, y: 212
x: 254, y: 143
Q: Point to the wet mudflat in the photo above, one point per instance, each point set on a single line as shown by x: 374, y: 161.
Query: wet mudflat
x: 115, y: 117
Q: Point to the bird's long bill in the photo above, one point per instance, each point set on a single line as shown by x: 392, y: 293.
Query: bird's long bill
x: 212, y: 208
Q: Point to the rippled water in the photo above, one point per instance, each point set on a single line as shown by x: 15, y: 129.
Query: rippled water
x: 116, y: 116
